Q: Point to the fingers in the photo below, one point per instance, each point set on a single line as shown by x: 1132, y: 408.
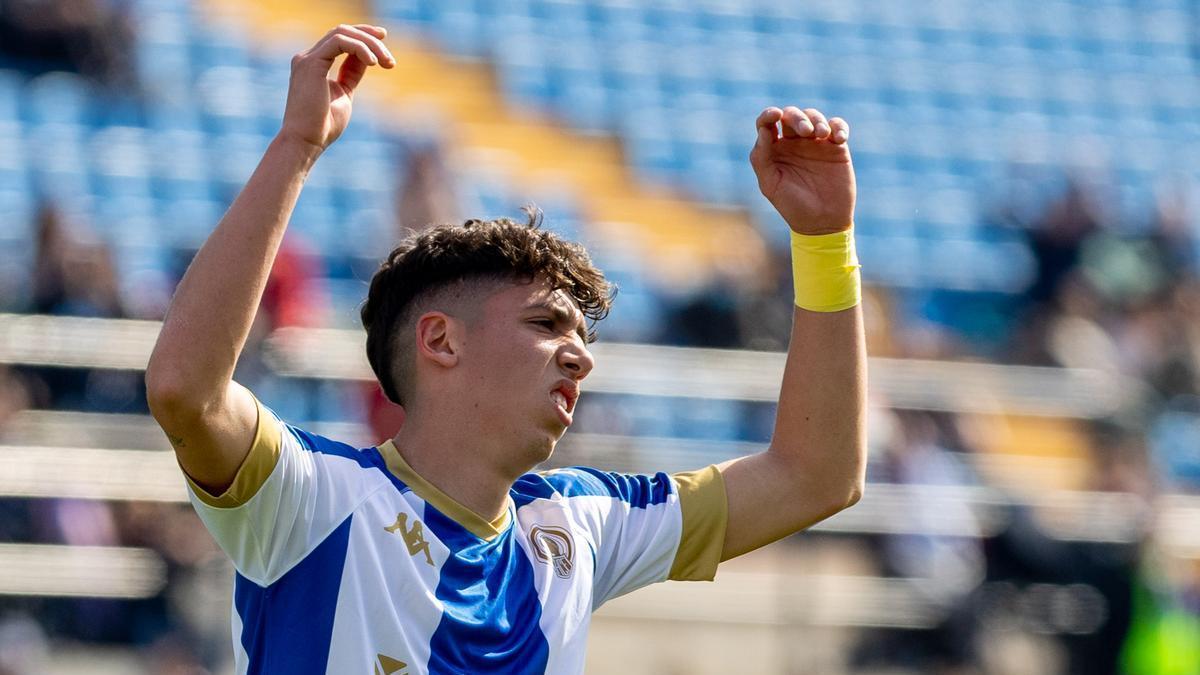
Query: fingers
x: 767, y: 124
x: 840, y: 130
x: 372, y: 36
x: 820, y: 124
x: 768, y: 132
x: 378, y: 31
x: 808, y: 123
x: 351, y: 72
x: 796, y: 124
x: 361, y: 41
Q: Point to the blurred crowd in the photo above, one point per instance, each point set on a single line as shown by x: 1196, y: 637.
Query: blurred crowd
x: 1113, y: 291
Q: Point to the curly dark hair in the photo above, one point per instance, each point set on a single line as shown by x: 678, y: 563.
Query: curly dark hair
x: 431, y: 260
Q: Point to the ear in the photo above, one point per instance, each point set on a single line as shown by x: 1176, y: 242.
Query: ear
x: 439, y: 338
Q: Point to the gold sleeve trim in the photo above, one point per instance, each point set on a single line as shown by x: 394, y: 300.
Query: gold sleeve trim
x: 258, y: 465
x: 705, y: 516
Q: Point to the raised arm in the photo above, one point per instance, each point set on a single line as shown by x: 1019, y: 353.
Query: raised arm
x: 815, y: 463
x: 209, y: 419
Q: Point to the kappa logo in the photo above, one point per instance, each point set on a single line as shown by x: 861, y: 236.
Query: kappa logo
x: 414, y: 537
x: 386, y: 665
x: 554, y: 546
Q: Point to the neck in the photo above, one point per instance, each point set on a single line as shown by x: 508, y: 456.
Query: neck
x: 461, y: 461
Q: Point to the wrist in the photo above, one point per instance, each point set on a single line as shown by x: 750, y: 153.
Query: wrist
x: 826, y: 271
x: 817, y: 230
x: 296, y: 148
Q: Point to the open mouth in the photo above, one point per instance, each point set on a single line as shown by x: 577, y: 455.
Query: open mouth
x: 562, y: 401
x: 564, y: 397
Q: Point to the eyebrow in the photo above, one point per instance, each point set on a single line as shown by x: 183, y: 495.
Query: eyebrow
x: 561, y: 316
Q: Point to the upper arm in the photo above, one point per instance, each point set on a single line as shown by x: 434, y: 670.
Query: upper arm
x: 771, y: 496
x: 211, y: 441
x: 290, y: 491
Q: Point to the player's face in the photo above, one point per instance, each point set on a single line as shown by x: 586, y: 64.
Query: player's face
x: 528, y: 356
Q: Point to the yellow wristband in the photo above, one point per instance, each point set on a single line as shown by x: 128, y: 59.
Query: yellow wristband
x: 826, y: 271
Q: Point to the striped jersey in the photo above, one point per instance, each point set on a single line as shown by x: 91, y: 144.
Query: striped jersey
x: 347, y: 561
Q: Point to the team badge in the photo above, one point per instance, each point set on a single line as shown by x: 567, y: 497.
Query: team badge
x: 554, y: 546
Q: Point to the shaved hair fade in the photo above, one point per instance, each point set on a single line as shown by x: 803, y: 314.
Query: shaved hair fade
x: 441, y: 258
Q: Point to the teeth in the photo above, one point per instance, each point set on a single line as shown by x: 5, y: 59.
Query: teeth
x: 559, y: 398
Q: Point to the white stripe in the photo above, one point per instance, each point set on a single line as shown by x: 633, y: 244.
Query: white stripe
x: 241, y: 660
x: 566, y: 603
x: 385, y: 590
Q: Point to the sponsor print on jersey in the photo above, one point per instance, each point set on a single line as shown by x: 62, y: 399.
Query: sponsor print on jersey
x: 414, y: 537
x: 386, y: 665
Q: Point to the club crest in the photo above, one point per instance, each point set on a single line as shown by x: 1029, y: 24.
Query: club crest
x: 554, y: 546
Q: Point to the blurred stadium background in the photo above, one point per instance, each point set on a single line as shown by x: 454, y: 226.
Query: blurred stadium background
x: 1027, y: 218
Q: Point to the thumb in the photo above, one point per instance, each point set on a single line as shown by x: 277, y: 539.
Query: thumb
x: 351, y: 73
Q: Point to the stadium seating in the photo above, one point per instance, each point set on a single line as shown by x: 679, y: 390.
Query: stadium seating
x: 943, y: 98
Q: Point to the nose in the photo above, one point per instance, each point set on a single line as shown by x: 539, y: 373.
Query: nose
x: 576, y: 360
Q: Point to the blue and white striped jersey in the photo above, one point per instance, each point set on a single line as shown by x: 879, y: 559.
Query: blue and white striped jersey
x: 349, y: 562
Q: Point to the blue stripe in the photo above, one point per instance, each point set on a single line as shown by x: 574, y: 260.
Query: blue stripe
x: 491, y: 621
x: 319, y: 444
x: 375, y: 459
x: 639, y: 491
x: 287, y: 626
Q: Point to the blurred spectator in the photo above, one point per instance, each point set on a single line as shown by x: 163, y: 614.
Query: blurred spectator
x: 70, y: 275
x: 14, y: 395
x: 16, y: 522
x: 948, y: 569
x: 1092, y: 580
x: 23, y: 646
x: 426, y: 197
x: 708, y: 317
x: 1164, y: 635
x: 295, y: 297
x: 1057, y: 236
x: 764, y: 311
x: 51, y: 260
x: 90, y: 37
x: 426, y: 191
x: 75, y: 276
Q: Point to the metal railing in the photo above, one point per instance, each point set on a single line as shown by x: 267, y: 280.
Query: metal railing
x: 650, y: 370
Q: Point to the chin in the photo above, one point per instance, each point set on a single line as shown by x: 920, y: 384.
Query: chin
x: 543, y: 448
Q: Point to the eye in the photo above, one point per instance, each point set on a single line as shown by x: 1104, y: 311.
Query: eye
x: 545, y: 323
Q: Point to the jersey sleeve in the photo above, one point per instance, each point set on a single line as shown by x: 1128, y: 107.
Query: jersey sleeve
x: 647, y: 528
x: 290, y: 492
x: 704, y: 512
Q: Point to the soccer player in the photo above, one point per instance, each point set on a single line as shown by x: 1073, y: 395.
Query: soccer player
x: 438, y: 550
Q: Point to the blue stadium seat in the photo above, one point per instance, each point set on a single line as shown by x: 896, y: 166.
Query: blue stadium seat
x: 184, y: 223
x: 180, y: 165
x: 163, y: 58
x: 59, y: 97
x: 213, y: 45
x: 523, y: 72
x: 12, y: 85
x: 127, y: 221
x: 233, y: 157
x: 59, y: 162
x: 119, y: 163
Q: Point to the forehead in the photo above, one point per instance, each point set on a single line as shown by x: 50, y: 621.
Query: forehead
x: 521, y: 297
x: 516, y: 297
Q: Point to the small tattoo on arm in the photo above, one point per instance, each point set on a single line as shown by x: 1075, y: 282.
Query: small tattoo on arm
x: 176, y: 441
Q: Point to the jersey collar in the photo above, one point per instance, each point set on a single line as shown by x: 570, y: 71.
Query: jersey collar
x: 468, y: 519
